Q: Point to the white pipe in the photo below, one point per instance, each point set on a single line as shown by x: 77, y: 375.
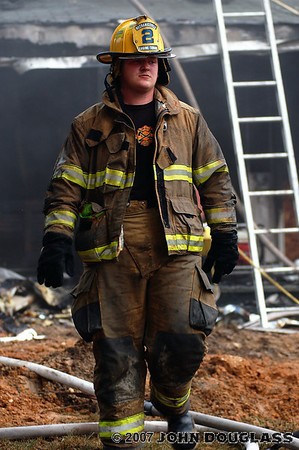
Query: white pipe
x: 31, y: 432
x: 48, y: 430
x: 251, y: 446
x: 52, y: 374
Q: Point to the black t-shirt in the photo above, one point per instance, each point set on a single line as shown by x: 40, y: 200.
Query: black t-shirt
x: 144, y: 119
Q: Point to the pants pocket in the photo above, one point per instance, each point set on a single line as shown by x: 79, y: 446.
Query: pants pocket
x: 203, y: 310
x: 85, y: 309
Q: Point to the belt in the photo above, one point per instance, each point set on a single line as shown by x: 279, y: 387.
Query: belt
x: 143, y: 204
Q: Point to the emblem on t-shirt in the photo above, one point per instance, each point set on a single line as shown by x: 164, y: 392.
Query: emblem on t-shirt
x: 145, y: 135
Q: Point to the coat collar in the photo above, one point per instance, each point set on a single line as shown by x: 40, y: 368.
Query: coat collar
x: 166, y: 101
x: 164, y: 97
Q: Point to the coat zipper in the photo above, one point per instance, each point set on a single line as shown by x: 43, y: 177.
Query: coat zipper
x: 161, y: 182
x: 162, y: 196
x: 160, y: 177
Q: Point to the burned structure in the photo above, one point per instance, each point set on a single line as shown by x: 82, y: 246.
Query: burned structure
x: 49, y: 73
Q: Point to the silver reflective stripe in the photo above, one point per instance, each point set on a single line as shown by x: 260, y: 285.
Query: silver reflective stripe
x: 61, y: 218
x: 177, y: 242
x: 178, y: 172
x: 71, y: 173
x: 118, y: 178
x: 130, y: 424
x: 171, y: 402
x: 105, y: 252
x: 108, y: 176
x: 219, y: 215
x: 202, y: 174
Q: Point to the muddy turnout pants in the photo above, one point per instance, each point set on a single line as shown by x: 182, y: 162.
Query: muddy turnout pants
x: 155, y: 312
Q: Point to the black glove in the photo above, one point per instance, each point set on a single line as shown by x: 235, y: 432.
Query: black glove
x: 223, y: 254
x: 56, y: 257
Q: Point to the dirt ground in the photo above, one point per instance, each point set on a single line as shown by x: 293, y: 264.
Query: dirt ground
x: 248, y: 376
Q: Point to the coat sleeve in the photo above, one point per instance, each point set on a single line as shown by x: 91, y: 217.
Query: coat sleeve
x: 212, y: 179
x: 68, y: 183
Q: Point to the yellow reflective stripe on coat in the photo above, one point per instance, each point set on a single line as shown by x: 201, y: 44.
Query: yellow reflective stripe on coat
x: 220, y: 215
x: 61, y: 217
x: 182, y: 242
x: 132, y: 424
x: 111, y: 177
x: 105, y: 252
x: 171, y: 402
x: 202, y: 174
x: 178, y: 172
x: 71, y: 173
x: 108, y: 176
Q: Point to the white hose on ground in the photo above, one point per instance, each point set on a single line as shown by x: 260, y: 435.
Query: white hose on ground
x: 252, y: 446
x: 211, y: 422
x: 31, y: 432
x: 52, y: 374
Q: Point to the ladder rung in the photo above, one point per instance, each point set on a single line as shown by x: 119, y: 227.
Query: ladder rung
x: 276, y: 192
x: 278, y: 269
x: 238, y: 48
x: 276, y: 230
x: 244, y: 14
x: 293, y: 309
x: 260, y: 119
x: 254, y: 83
x: 264, y: 155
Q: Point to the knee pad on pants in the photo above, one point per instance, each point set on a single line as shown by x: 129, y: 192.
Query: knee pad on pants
x: 119, y: 372
x: 175, y: 358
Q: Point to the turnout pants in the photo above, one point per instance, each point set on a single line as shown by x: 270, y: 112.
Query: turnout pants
x: 156, y: 311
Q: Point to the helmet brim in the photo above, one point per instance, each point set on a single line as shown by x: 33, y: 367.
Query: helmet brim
x: 108, y: 57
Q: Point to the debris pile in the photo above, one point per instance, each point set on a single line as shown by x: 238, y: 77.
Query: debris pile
x: 23, y: 302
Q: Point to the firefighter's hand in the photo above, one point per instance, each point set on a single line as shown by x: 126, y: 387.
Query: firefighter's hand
x: 55, y: 258
x: 223, y: 254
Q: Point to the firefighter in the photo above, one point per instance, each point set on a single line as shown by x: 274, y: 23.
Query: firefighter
x: 124, y: 191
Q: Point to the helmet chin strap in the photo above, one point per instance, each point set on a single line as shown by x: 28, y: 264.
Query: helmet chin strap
x: 109, y: 88
x: 164, y: 68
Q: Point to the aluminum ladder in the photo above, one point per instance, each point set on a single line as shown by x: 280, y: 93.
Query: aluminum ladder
x: 286, y: 156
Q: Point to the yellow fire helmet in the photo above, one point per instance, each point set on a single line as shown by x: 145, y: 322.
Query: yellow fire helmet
x: 133, y: 38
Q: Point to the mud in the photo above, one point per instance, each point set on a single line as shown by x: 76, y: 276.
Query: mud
x: 247, y: 376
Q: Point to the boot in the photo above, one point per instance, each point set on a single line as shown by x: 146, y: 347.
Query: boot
x: 182, y: 426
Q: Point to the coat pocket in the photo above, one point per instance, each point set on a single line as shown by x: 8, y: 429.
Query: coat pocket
x: 85, y: 309
x: 92, y: 230
x: 118, y: 151
x: 203, y: 311
x: 186, y: 223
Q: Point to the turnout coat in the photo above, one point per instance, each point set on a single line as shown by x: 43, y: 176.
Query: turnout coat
x: 94, y: 173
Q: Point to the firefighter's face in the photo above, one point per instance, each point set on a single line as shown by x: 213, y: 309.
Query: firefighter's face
x: 139, y: 75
